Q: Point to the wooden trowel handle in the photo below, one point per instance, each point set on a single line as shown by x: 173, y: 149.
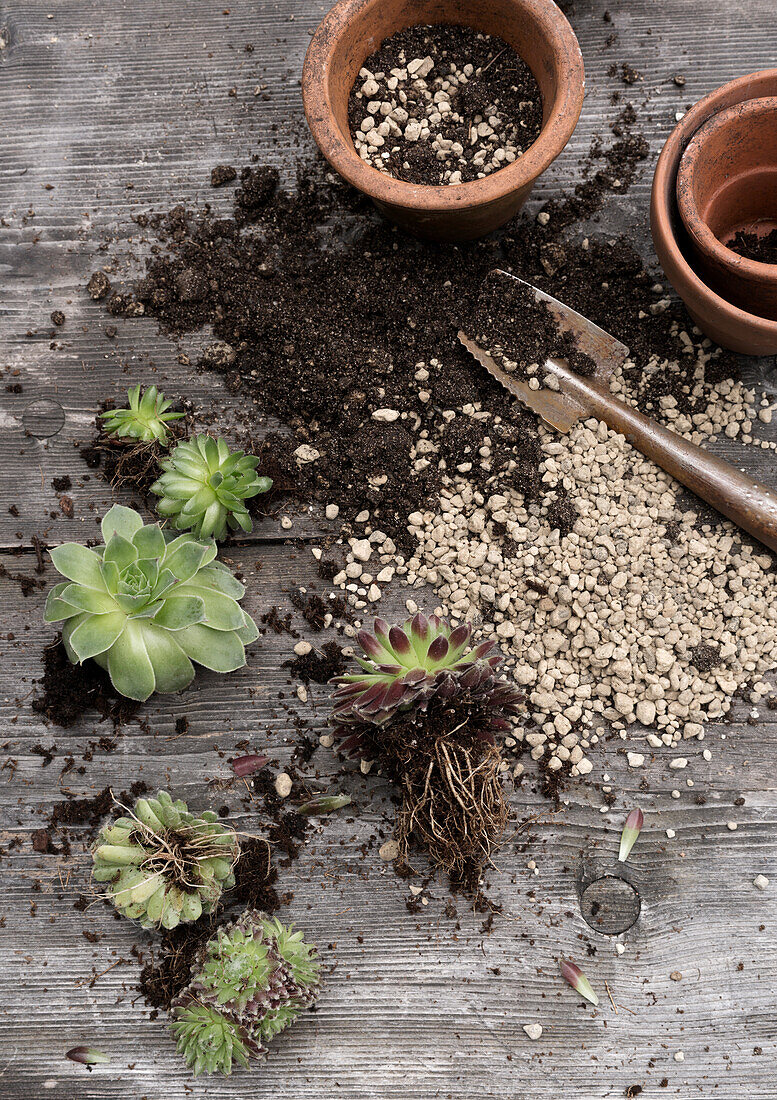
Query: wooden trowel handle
x: 750, y: 505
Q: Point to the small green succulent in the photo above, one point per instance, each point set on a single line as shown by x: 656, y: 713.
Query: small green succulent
x: 210, y: 1041
x: 255, y: 977
x: 145, y: 419
x: 163, y: 865
x: 144, y: 606
x: 205, y: 485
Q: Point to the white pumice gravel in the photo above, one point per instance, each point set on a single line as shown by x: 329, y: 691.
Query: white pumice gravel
x: 283, y: 785
x: 534, y: 1031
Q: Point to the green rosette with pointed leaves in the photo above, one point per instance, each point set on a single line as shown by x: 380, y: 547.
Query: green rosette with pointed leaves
x: 204, y: 487
x: 255, y: 977
x: 145, y: 605
x: 145, y: 419
x: 211, y: 1042
x: 163, y: 865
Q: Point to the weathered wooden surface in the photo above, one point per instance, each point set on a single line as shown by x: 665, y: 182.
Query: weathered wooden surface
x: 119, y: 107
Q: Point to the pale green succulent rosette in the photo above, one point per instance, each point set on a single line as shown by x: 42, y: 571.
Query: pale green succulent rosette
x: 145, y: 419
x: 205, y: 486
x: 144, y: 607
x: 255, y: 977
x: 163, y: 865
x: 211, y: 1042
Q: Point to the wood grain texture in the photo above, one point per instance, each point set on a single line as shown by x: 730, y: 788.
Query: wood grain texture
x: 124, y: 107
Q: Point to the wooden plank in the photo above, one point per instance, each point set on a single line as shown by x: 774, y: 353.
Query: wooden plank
x: 97, y: 98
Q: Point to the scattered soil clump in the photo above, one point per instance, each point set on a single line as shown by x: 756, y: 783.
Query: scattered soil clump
x: 444, y: 104
x: 70, y: 690
x: 318, y: 667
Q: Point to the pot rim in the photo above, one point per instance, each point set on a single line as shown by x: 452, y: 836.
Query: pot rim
x: 662, y: 197
x: 692, y: 218
x: 439, y: 198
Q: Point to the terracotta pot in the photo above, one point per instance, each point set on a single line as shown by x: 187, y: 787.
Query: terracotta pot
x: 354, y: 29
x: 727, y: 324
x: 727, y: 181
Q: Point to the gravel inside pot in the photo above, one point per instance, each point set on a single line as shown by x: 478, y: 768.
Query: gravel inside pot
x: 444, y: 104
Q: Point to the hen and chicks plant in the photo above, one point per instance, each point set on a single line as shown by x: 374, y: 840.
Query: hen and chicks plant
x: 255, y: 977
x: 163, y: 865
x: 145, y: 419
x: 428, y: 705
x: 204, y: 486
x: 406, y: 667
x: 144, y: 605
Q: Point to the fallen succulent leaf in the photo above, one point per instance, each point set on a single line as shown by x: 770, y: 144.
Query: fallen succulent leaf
x: 631, y: 831
x: 247, y: 765
x: 572, y: 973
x: 325, y: 804
x: 85, y: 1056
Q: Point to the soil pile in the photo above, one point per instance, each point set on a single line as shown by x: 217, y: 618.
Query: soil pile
x: 346, y: 330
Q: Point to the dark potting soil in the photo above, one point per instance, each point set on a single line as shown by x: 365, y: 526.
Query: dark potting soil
x: 501, y: 87
x: 318, y: 667
x: 70, y: 690
x: 755, y: 247
x: 333, y: 315
x: 511, y: 321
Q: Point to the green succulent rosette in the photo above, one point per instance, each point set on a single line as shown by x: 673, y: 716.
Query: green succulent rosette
x: 204, y: 487
x: 255, y: 977
x: 211, y: 1042
x: 163, y: 865
x: 145, y: 419
x: 145, y: 605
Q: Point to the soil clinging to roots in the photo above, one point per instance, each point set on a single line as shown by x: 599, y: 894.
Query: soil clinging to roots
x: 453, y: 805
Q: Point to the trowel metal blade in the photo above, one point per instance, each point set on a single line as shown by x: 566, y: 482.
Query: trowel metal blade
x: 555, y: 407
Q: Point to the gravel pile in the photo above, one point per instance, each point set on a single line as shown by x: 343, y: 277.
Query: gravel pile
x: 444, y: 105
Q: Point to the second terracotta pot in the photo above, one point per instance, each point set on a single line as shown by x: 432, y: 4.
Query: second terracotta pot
x: 354, y: 29
x: 727, y: 181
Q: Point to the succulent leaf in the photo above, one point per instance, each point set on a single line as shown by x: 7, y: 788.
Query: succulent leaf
x: 145, y: 419
x: 144, y: 607
x: 630, y: 834
x: 406, y: 666
x: 204, y: 487
x: 255, y: 977
x: 164, y: 865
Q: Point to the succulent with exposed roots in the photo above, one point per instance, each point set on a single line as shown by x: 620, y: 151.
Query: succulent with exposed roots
x: 163, y: 865
x: 428, y: 706
x: 255, y: 976
x: 145, y: 419
x: 406, y: 666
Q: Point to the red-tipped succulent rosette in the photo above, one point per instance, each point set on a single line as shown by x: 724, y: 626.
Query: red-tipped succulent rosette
x: 406, y: 666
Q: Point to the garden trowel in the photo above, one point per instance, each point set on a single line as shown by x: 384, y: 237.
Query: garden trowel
x: 750, y: 505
